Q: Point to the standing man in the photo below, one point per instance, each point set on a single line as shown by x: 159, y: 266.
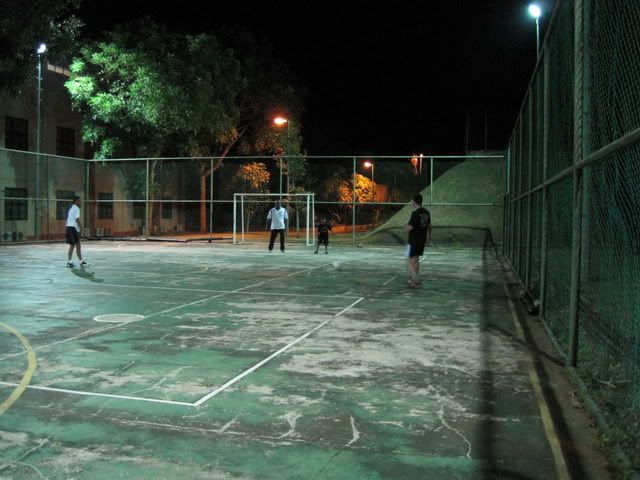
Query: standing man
x: 73, y: 232
x: 277, y: 222
x: 419, y: 228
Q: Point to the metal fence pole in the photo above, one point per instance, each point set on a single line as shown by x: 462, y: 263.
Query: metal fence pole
x: 146, y: 204
x: 527, y: 278
x: 577, y: 184
x: 432, y: 182
x: 235, y: 196
x: 545, y: 189
x: 211, y: 200
x: 353, y: 206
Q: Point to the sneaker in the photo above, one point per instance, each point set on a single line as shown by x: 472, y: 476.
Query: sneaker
x: 70, y: 264
x: 84, y: 263
x: 315, y: 251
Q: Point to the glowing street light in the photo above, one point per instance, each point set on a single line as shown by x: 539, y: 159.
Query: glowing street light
x: 536, y: 12
x: 368, y: 164
x: 279, y: 121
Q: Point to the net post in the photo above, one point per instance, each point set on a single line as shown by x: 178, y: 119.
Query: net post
x: 242, y: 216
x: 313, y: 219
x: 235, y: 208
x: 577, y: 184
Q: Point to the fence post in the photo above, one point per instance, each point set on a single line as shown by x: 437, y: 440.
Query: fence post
x: 545, y: 189
x: 211, y: 200
x: 577, y: 184
x: 146, y: 203
x: 432, y: 183
x: 353, y: 206
x: 527, y: 271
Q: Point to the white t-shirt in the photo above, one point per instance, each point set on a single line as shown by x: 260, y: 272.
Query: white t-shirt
x: 72, y: 216
x: 277, y: 218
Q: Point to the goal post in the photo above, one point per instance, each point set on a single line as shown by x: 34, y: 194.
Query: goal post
x: 250, y: 212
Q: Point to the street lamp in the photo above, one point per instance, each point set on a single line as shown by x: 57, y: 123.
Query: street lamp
x: 370, y: 165
x: 279, y: 121
x: 536, y: 12
x: 41, y: 50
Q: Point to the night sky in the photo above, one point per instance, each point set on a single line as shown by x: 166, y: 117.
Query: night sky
x: 383, y: 78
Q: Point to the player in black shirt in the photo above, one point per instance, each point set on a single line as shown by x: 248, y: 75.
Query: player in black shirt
x: 323, y: 235
x: 419, y: 228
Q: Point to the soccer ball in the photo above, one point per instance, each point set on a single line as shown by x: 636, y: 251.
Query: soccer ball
x: 336, y: 265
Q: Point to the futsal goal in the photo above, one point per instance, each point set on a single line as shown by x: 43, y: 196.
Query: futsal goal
x: 250, y: 213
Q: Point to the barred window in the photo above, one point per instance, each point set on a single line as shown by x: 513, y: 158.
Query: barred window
x: 105, y: 206
x: 66, y: 142
x: 14, y: 208
x: 16, y: 133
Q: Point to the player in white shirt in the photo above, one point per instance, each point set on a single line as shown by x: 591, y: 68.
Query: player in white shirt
x: 277, y: 223
x: 73, y: 232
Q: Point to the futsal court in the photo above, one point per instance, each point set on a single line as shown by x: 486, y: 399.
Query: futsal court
x: 219, y: 361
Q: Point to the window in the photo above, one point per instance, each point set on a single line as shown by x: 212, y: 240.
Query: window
x: 105, y: 206
x: 14, y: 208
x: 66, y: 142
x: 167, y: 207
x: 64, y: 199
x: 16, y: 133
x: 138, y: 210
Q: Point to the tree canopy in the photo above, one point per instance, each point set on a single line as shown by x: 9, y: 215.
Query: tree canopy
x: 145, y: 91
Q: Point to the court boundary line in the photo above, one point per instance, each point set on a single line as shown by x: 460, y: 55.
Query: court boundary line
x: 217, y: 291
x: 545, y: 413
x: 32, y: 364
x: 206, y: 397
x: 264, y: 361
x: 98, y: 394
x: 114, y: 326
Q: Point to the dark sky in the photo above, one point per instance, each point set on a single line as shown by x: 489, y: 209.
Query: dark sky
x: 385, y: 77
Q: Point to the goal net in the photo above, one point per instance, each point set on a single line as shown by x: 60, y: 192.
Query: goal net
x: 250, y: 212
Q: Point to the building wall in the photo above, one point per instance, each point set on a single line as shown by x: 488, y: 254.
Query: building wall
x: 18, y: 169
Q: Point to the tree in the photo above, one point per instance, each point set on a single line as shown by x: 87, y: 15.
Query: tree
x: 26, y: 24
x: 148, y: 92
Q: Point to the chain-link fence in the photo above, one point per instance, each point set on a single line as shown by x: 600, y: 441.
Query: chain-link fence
x: 573, y: 204
x: 364, y: 199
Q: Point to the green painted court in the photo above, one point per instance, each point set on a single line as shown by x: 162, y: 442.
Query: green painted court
x: 233, y: 362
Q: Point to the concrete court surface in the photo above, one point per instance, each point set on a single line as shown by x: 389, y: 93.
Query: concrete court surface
x: 232, y: 362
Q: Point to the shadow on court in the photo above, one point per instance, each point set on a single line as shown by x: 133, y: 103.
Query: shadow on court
x: 86, y: 275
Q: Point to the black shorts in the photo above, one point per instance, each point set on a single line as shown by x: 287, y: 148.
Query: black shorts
x: 73, y: 236
x: 323, y: 239
x: 416, y: 249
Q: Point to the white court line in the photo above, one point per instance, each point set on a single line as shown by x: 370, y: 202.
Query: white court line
x: 272, y: 356
x: 108, y: 395
x: 117, y: 325
x: 390, y: 280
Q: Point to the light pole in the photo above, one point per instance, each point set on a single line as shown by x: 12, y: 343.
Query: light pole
x: 536, y: 12
x: 42, y: 49
x: 370, y: 165
x: 279, y: 121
